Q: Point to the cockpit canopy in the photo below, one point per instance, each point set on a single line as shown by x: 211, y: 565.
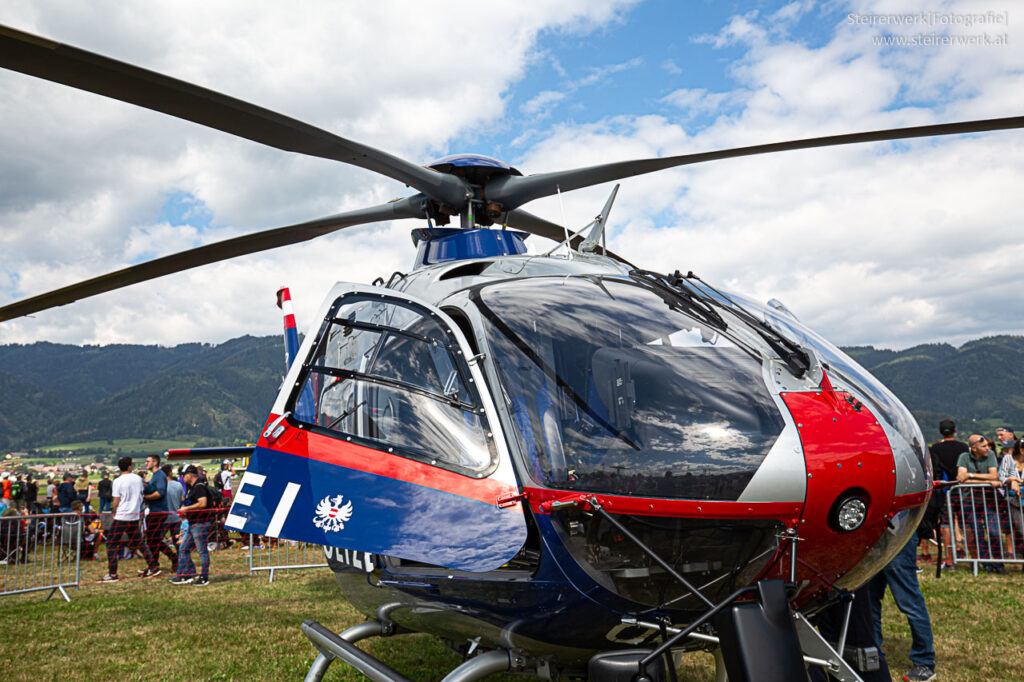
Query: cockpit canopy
x: 615, y: 388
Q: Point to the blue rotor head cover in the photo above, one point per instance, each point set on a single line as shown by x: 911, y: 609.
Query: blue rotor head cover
x: 443, y: 244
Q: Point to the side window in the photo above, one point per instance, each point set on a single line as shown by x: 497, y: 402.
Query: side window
x: 390, y: 374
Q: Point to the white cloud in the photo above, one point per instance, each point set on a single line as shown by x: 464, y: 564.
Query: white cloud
x: 696, y: 101
x: 670, y: 66
x: 888, y: 243
x: 892, y: 244
x: 540, y: 103
x: 83, y: 179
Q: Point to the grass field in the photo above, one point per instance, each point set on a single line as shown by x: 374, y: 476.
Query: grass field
x: 242, y: 627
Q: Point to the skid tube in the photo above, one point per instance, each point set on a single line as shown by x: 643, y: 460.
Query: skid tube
x: 332, y: 646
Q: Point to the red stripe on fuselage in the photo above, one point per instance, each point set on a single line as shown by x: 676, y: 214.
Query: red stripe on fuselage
x: 339, y: 452
x: 786, y: 512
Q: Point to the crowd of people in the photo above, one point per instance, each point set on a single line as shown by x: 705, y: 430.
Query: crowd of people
x: 153, y: 512
x: 989, y: 509
x: 996, y: 464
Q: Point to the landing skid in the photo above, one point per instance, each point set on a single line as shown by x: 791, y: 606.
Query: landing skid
x: 341, y: 646
x: 758, y: 641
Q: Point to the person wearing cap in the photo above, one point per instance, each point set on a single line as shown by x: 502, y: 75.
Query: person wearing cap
x: 196, y: 510
x: 945, y: 454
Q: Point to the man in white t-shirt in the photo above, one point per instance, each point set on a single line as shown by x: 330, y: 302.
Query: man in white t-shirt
x: 127, y: 506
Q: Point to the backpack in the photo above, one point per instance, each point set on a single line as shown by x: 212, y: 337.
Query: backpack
x: 216, y: 498
x: 218, y: 481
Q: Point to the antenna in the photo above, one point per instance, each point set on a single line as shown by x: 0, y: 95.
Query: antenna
x: 596, y: 235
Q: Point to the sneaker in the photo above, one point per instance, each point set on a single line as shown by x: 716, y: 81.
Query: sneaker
x: 181, y: 579
x: 201, y: 582
x: 143, y: 573
x: 920, y: 673
x: 153, y: 572
x: 109, y: 578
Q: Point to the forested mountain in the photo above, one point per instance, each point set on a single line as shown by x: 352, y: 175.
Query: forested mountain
x: 52, y: 393
x: 981, y: 381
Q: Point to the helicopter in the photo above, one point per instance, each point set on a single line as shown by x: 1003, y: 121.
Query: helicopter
x: 562, y: 464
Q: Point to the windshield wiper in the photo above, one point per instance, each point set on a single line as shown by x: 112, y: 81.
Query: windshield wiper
x: 795, y: 357
x: 678, y: 298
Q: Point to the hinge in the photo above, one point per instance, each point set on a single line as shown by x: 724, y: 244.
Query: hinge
x: 507, y: 501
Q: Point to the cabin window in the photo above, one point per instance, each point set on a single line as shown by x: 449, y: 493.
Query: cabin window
x: 390, y: 375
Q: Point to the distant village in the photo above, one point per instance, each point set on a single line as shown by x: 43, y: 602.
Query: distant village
x: 15, y: 463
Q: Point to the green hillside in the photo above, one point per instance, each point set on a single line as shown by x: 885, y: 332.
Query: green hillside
x: 220, y: 394
x: 217, y: 394
x: 980, y: 382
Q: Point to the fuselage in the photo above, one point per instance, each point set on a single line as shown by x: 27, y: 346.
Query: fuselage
x: 668, y: 410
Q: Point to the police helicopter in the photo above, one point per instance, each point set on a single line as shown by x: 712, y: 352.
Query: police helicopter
x: 561, y: 464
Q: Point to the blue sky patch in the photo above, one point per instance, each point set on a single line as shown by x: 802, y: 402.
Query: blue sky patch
x: 184, y: 208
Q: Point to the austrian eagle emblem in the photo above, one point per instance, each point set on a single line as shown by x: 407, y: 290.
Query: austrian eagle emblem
x: 331, y: 515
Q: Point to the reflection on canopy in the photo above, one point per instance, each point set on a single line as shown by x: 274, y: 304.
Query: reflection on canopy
x: 613, y: 391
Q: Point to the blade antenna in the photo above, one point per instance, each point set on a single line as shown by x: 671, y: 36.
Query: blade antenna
x: 598, y: 232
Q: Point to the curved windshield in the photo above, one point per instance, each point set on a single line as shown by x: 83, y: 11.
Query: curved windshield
x: 615, y: 389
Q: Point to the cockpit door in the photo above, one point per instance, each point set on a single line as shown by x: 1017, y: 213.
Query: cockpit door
x: 401, y: 453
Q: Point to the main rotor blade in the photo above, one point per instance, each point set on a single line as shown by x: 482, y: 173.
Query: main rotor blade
x: 85, y: 70
x: 542, y: 228
x: 411, y: 207
x: 514, y: 191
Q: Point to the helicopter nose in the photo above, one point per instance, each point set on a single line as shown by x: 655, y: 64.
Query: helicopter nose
x: 851, y: 482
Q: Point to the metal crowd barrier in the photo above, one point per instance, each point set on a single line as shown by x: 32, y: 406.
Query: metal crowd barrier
x: 40, y: 552
x: 273, y: 554
x: 992, y: 523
